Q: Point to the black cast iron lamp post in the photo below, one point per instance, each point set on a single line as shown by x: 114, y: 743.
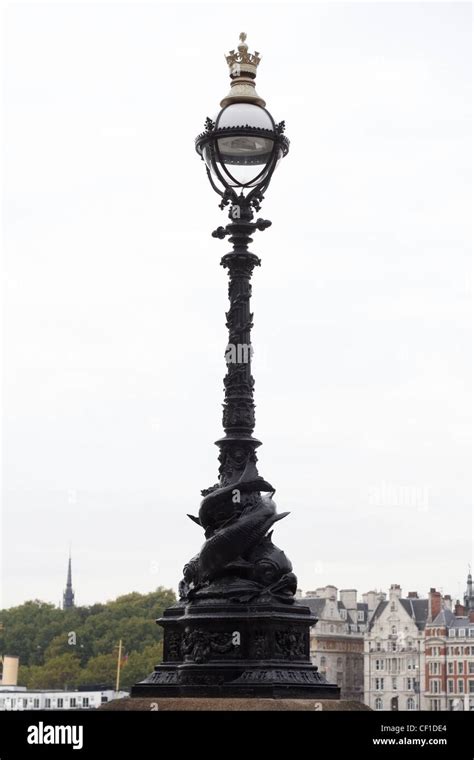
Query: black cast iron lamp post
x: 237, y: 630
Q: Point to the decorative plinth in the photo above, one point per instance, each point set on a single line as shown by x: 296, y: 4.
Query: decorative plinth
x: 259, y: 704
x: 222, y: 649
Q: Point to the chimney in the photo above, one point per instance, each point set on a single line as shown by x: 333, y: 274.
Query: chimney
x: 348, y: 597
x: 413, y: 595
x: 459, y: 609
x: 434, y: 603
x: 448, y: 602
x: 326, y: 592
x: 471, y: 616
x: 395, y: 591
x: 10, y: 671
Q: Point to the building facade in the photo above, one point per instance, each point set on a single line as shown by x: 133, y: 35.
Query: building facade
x: 394, y: 676
x: 19, y: 698
x: 337, y: 639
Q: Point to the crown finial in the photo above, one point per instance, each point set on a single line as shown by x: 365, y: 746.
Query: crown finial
x: 243, y: 71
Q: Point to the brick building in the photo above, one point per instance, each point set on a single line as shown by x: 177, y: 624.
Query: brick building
x: 449, y: 653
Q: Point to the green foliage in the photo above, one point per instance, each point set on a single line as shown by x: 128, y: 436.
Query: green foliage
x: 60, y: 672
x: 77, y: 647
x: 140, y: 664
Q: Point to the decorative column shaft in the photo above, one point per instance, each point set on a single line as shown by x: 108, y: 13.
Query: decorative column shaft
x: 237, y: 447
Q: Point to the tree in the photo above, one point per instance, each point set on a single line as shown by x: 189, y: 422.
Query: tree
x: 61, y: 672
x: 100, y: 670
x: 140, y: 664
x: 78, y: 646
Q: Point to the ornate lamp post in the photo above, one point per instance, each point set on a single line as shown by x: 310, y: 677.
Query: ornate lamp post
x: 237, y: 630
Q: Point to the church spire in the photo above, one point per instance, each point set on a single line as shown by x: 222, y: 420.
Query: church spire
x: 469, y: 595
x: 68, y: 596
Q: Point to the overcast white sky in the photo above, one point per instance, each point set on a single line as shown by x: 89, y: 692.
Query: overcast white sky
x: 114, y: 299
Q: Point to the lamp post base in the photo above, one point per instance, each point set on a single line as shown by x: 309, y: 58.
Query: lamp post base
x: 218, y: 649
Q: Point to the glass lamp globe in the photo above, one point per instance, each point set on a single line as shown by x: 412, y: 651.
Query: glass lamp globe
x: 243, y: 154
x: 244, y: 145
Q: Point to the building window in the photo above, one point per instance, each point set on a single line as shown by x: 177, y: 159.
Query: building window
x: 103, y: 699
x: 36, y: 704
x: 72, y: 702
x: 394, y: 684
x: 471, y: 667
x: 47, y: 704
x: 460, y: 686
x: 378, y: 646
x: 360, y: 616
x: 394, y: 646
x: 471, y: 631
x: 451, y: 667
x: 471, y: 687
x: 410, y: 703
x: 394, y: 630
x: 410, y: 684
x: 379, y: 684
x: 323, y: 661
x: 462, y: 632
x: 452, y: 633
x: 343, y: 614
x: 450, y: 686
x: 378, y: 664
x: 379, y: 703
x: 60, y: 702
x: 85, y: 701
x: 435, y: 686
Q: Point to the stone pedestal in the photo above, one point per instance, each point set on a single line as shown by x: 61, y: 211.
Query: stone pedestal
x: 203, y: 704
x: 218, y: 649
